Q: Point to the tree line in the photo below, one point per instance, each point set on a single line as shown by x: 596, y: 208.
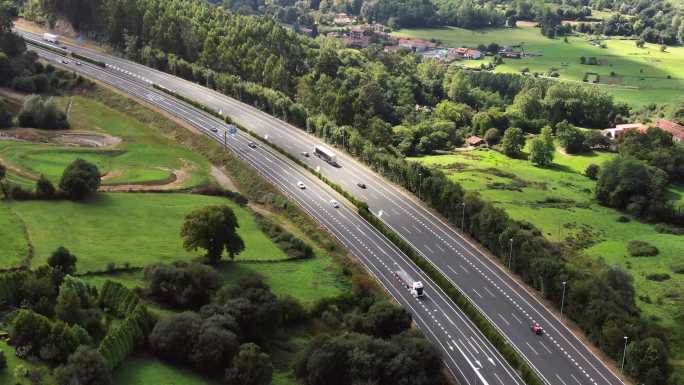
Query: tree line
x: 382, y: 106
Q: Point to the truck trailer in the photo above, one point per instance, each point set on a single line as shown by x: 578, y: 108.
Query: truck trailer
x: 326, y: 154
x: 415, y: 287
x: 50, y: 38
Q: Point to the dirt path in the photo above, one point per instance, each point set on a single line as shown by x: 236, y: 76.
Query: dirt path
x: 19, y: 171
x: 222, y: 178
x: 178, y: 178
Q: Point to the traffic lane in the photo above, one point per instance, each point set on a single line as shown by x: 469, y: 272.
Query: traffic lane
x: 162, y: 99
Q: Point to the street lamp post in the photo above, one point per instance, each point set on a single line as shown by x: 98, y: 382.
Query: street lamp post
x: 563, y: 299
x: 463, y: 217
x: 624, y: 354
x: 510, y: 253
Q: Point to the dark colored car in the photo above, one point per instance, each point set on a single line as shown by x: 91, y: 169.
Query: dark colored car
x: 361, y: 185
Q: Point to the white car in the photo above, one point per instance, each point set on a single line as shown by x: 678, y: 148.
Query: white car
x: 301, y: 185
x: 334, y: 203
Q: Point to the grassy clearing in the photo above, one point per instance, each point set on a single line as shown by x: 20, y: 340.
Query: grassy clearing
x: 145, y: 369
x: 559, y: 201
x: 7, y: 374
x: 13, y: 243
x: 143, y: 156
x: 125, y: 227
x: 641, y: 74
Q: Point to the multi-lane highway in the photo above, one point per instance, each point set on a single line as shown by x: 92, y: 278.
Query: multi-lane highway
x: 558, y: 356
x: 467, y: 355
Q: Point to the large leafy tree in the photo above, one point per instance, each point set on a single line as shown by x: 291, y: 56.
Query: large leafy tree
x: 214, y: 229
x: 513, y: 142
x: 85, y: 367
x: 250, y: 367
x: 80, y: 179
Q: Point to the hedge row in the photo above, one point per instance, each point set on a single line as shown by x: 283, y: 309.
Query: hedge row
x: 123, y: 338
x: 131, y: 332
x: 48, y: 47
x: 499, y: 342
x: 89, y: 60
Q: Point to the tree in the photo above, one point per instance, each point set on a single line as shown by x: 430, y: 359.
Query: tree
x: 63, y: 260
x: 513, y: 142
x: 492, y: 136
x: 182, y: 285
x: 214, y: 349
x: 540, y: 154
x: 85, y: 366
x: 250, y: 367
x: 44, y: 188
x: 627, y: 183
x: 592, y: 171
x: 570, y: 137
x: 5, y: 114
x: 80, y: 179
x: 213, y: 228
x: 42, y: 112
x: 174, y: 337
x: 384, y: 319
x: 3, y: 360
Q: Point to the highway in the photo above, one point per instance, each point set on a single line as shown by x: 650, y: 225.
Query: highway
x: 467, y: 355
x: 558, y: 356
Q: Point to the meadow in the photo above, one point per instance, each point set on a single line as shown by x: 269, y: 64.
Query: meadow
x: 142, y: 156
x: 559, y: 201
x: 637, y: 76
x: 134, y: 228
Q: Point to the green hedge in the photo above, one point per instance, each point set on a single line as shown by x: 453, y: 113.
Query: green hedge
x: 48, y: 47
x: 89, y: 60
x: 132, y: 331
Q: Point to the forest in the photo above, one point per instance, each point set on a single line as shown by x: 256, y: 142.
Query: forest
x: 382, y: 107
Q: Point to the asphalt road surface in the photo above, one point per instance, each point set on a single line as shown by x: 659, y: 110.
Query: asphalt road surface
x: 467, y: 355
x: 558, y: 356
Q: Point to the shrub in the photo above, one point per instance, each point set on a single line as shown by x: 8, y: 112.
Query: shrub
x: 641, y: 249
x: 678, y: 268
x: 182, y: 285
x: 42, y: 112
x: 665, y: 228
x: 80, y: 179
x: 623, y: 219
x: 3, y: 360
x: 658, y: 277
x: 592, y: 171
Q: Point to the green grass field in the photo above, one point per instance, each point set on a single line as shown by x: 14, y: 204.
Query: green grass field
x: 138, y: 228
x: 559, y: 201
x: 146, y: 369
x: 143, y: 156
x: 640, y: 73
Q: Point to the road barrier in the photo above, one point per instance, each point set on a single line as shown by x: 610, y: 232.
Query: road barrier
x: 492, y: 334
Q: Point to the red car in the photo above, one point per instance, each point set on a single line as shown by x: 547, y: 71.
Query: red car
x: 536, y: 329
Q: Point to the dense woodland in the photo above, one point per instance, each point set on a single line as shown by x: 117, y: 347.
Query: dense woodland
x: 383, y: 107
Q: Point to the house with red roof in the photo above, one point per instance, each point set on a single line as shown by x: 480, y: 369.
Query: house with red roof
x: 676, y: 129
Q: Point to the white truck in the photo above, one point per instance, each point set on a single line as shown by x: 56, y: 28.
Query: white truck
x: 415, y: 287
x: 326, y: 154
x: 50, y: 38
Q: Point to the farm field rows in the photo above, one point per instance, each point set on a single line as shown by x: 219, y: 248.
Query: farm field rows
x: 559, y: 201
x: 640, y: 74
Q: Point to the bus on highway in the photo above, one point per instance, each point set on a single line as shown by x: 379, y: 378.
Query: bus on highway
x: 326, y: 154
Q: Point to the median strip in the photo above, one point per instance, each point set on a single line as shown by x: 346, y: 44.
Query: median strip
x: 492, y: 334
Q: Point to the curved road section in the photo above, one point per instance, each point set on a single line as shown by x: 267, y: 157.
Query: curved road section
x: 559, y: 357
x: 467, y: 354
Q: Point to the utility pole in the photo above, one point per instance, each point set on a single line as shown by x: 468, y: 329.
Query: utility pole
x: 463, y: 218
x: 624, y: 354
x: 563, y: 299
